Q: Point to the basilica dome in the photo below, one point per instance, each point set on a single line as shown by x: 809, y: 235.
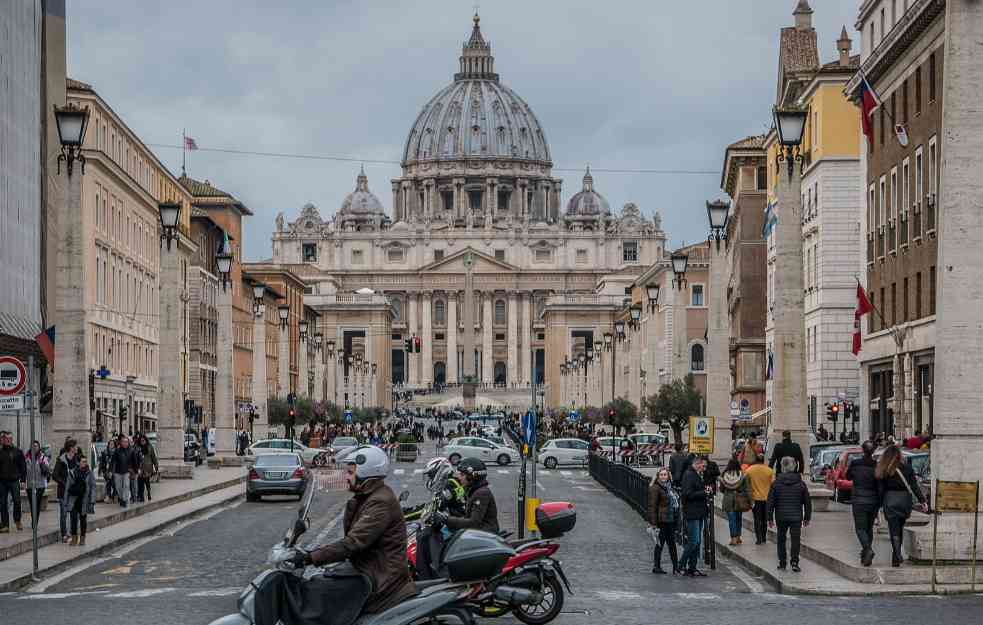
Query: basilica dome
x: 476, y: 116
x: 588, y: 202
x: 361, y: 200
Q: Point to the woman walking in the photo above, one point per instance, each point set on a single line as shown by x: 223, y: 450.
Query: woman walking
x: 664, y: 513
x: 106, y: 470
x: 751, y: 452
x: 736, y: 498
x: 148, y: 467
x: 38, y: 472
x: 899, y: 490
x: 80, y: 493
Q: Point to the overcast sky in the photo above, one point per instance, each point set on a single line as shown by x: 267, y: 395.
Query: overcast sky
x: 629, y: 84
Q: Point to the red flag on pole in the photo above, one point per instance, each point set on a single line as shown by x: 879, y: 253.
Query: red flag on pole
x: 189, y: 144
x: 868, y: 102
x: 863, y: 307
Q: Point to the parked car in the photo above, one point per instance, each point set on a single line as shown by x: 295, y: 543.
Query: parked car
x: 342, y: 445
x: 647, y: 438
x: 480, y: 448
x: 836, y: 473
x: 822, y: 458
x: 281, y: 473
x: 311, y: 455
x: 564, y: 451
x: 192, y: 448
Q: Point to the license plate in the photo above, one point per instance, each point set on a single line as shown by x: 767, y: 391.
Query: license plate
x: 275, y: 475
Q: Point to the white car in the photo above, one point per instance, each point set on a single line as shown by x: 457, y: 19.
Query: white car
x: 483, y: 449
x: 564, y: 451
x: 342, y: 445
x: 311, y: 455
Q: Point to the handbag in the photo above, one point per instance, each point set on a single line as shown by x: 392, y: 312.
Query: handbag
x: 914, y: 500
x: 742, y: 502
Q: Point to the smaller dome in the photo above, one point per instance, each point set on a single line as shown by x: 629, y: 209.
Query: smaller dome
x: 588, y: 203
x: 361, y: 200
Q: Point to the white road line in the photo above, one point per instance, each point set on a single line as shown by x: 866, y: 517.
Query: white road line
x: 139, y: 594
x: 540, y: 486
x: 617, y: 595
x: 60, y: 595
x: 699, y: 596
x: 319, y: 539
x: 418, y: 471
x: 216, y: 592
x: 503, y: 472
x: 399, y: 471
x: 753, y: 584
x: 565, y: 473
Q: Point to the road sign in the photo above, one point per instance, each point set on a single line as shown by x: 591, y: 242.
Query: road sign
x: 11, y: 402
x: 348, y: 416
x: 955, y: 496
x: 573, y: 415
x: 701, y: 433
x: 13, y: 376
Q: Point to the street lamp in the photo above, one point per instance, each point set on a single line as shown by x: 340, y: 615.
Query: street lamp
x: 302, y: 325
x: 653, y: 293
x: 284, y: 311
x: 170, y: 213
x: 619, y: 330
x: 259, y: 290
x: 717, y: 214
x: 607, y: 340
x: 330, y: 347
x: 223, y: 260
x: 71, y: 121
x: 680, y: 262
x: 636, y: 314
x: 319, y: 339
x: 790, y: 124
x: 374, y: 368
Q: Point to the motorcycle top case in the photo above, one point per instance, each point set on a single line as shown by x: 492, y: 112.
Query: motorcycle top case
x: 555, y: 518
x: 472, y: 555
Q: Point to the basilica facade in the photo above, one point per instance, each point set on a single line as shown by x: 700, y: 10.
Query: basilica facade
x: 476, y: 183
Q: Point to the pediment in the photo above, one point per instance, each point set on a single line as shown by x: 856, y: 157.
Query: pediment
x: 483, y: 263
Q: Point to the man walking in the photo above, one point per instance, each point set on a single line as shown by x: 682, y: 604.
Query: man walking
x: 694, y: 495
x: 121, y: 467
x: 787, y: 449
x: 788, y: 498
x: 865, y: 500
x: 13, y: 471
x: 761, y: 478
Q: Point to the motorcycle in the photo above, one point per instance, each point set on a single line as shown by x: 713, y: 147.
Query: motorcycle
x: 532, y: 567
x: 474, y: 557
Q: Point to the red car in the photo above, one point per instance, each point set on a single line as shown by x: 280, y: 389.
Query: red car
x: 836, y: 473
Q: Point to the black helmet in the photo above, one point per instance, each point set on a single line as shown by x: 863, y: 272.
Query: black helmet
x: 474, y: 468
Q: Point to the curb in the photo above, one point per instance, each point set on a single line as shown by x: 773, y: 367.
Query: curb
x: 118, y: 516
x: 26, y: 579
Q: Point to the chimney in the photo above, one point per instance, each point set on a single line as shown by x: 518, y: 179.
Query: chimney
x: 803, y: 15
x: 843, y: 44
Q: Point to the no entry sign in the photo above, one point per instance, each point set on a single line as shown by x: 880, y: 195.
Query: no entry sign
x: 13, y: 376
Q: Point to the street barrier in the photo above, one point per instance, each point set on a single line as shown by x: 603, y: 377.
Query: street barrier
x: 622, y: 480
x: 407, y: 452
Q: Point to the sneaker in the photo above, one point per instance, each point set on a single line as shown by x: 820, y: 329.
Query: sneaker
x: 4, y: 530
x: 781, y: 566
x: 795, y: 568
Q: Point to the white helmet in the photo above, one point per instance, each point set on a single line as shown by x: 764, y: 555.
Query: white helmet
x: 369, y: 461
x: 437, y: 472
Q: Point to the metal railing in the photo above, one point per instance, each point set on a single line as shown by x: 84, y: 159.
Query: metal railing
x: 892, y: 239
x: 623, y: 481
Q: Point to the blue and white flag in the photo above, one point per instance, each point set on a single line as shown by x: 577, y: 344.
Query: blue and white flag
x: 771, y: 218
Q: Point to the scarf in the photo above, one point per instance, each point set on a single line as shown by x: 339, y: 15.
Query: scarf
x: 731, y: 479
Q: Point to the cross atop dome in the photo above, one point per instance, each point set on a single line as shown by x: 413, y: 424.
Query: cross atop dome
x: 588, y: 180
x: 477, y: 62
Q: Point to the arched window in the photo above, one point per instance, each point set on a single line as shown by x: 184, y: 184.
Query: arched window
x: 696, y: 357
x: 439, y: 312
x: 500, y: 312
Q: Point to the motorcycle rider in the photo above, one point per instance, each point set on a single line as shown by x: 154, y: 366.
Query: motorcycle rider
x: 451, y: 498
x: 375, y: 534
x: 480, y: 513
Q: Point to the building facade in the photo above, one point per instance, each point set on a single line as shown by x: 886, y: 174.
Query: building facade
x: 831, y: 199
x: 477, y: 177
x: 902, y: 59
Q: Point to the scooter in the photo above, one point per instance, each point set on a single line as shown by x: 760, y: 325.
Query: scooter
x: 435, y: 602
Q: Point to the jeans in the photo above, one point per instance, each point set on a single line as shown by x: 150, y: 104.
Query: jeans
x: 121, y: 481
x: 63, y: 516
x: 691, y: 554
x: 142, y: 483
x: 110, y: 487
x: 760, y: 512
x: 78, y: 523
x: 736, y: 523
x: 11, y: 489
x: 666, y: 537
x: 784, y: 529
x: 863, y: 524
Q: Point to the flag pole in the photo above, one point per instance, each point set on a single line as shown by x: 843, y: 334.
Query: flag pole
x: 184, y: 152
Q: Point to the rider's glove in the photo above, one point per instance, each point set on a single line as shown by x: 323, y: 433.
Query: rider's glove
x: 300, y: 559
x: 438, y: 519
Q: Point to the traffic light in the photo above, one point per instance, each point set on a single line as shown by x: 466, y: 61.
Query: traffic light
x: 122, y: 413
x: 611, y: 416
x: 417, y: 343
x: 834, y: 412
x: 409, y: 346
x: 292, y: 414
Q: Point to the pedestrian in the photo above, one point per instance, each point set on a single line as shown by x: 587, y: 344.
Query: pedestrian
x: 899, y: 490
x: 120, y: 466
x: 105, y: 469
x: 38, y: 473
x: 694, y: 496
x: 149, y: 467
x: 760, y: 477
x: 80, y: 496
x: 664, y: 515
x: 787, y: 449
x: 136, y: 462
x: 736, y: 498
x: 677, y: 462
x: 790, y: 508
x: 751, y: 452
x: 864, y: 500
x: 66, y: 462
x: 13, y: 471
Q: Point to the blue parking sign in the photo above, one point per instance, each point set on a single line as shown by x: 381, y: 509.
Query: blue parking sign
x: 348, y: 416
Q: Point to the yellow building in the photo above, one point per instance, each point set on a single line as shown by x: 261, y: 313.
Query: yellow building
x: 831, y: 200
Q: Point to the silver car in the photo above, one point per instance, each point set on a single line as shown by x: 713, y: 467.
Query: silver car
x: 483, y: 449
x: 564, y: 451
x: 277, y: 474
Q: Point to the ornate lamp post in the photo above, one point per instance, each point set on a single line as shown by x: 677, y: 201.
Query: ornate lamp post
x: 679, y: 262
x: 223, y: 260
x: 72, y: 122
x: 302, y: 326
x: 653, y: 295
x: 635, y: 315
x: 259, y: 290
x: 170, y: 214
x: 283, y: 311
x: 717, y: 214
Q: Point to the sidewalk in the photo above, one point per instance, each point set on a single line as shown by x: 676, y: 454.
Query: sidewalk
x: 830, y: 558
x: 173, y: 500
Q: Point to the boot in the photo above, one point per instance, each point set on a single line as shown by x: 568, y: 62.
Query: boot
x: 657, y: 561
x: 20, y: 526
x: 896, y: 556
x: 74, y: 542
x: 81, y: 541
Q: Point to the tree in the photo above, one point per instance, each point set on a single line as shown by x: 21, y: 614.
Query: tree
x: 620, y: 413
x: 673, y: 405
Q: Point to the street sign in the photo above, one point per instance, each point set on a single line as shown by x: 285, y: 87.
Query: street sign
x: 701, y: 434
x: 12, y: 402
x: 955, y: 496
x: 529, y: 427
x: 13, y: 376
x: 348, y: 416
x: 573, y: 415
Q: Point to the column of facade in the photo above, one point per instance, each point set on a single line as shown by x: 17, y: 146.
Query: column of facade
x: 426, y: 338
x: 397, y: 212
x: 521, y: 190
x: 513, y: 341
x: 487, y: 362
x: 680, y: 362
x: 260, y: 389
x: 283, y: 361
x: 173, y: 299
x: 717, y: 353
x: 303, y: 383
x: 324, y: 380
x: 225, y: 409
x: 412, y: 364
x: 451, y: 367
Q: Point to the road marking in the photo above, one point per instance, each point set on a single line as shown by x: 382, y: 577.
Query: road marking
x: 565, y: 473
x: 699, y: 596
x: 617, y: 595
x: 503, y: 472
x: 418, y: 471
x: 139, y: 594
x: 217, y: 592
x: 753, y: 584
x: 399, y: 471
x: 319, y: 539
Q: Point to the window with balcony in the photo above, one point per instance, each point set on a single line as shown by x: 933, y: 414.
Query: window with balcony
x: 500, y: 255
x: 918, y: 295
x: 931, y: 202
x: 543, y: 255
x: 931, y: 78
x: 310, y: 252
x: 904, y: 300
x: 931, y: 291
x: 438, y: 255
x: 395, y: 254
x: 581, y: 257
x: 918, y: 91
x: 500, y: 312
